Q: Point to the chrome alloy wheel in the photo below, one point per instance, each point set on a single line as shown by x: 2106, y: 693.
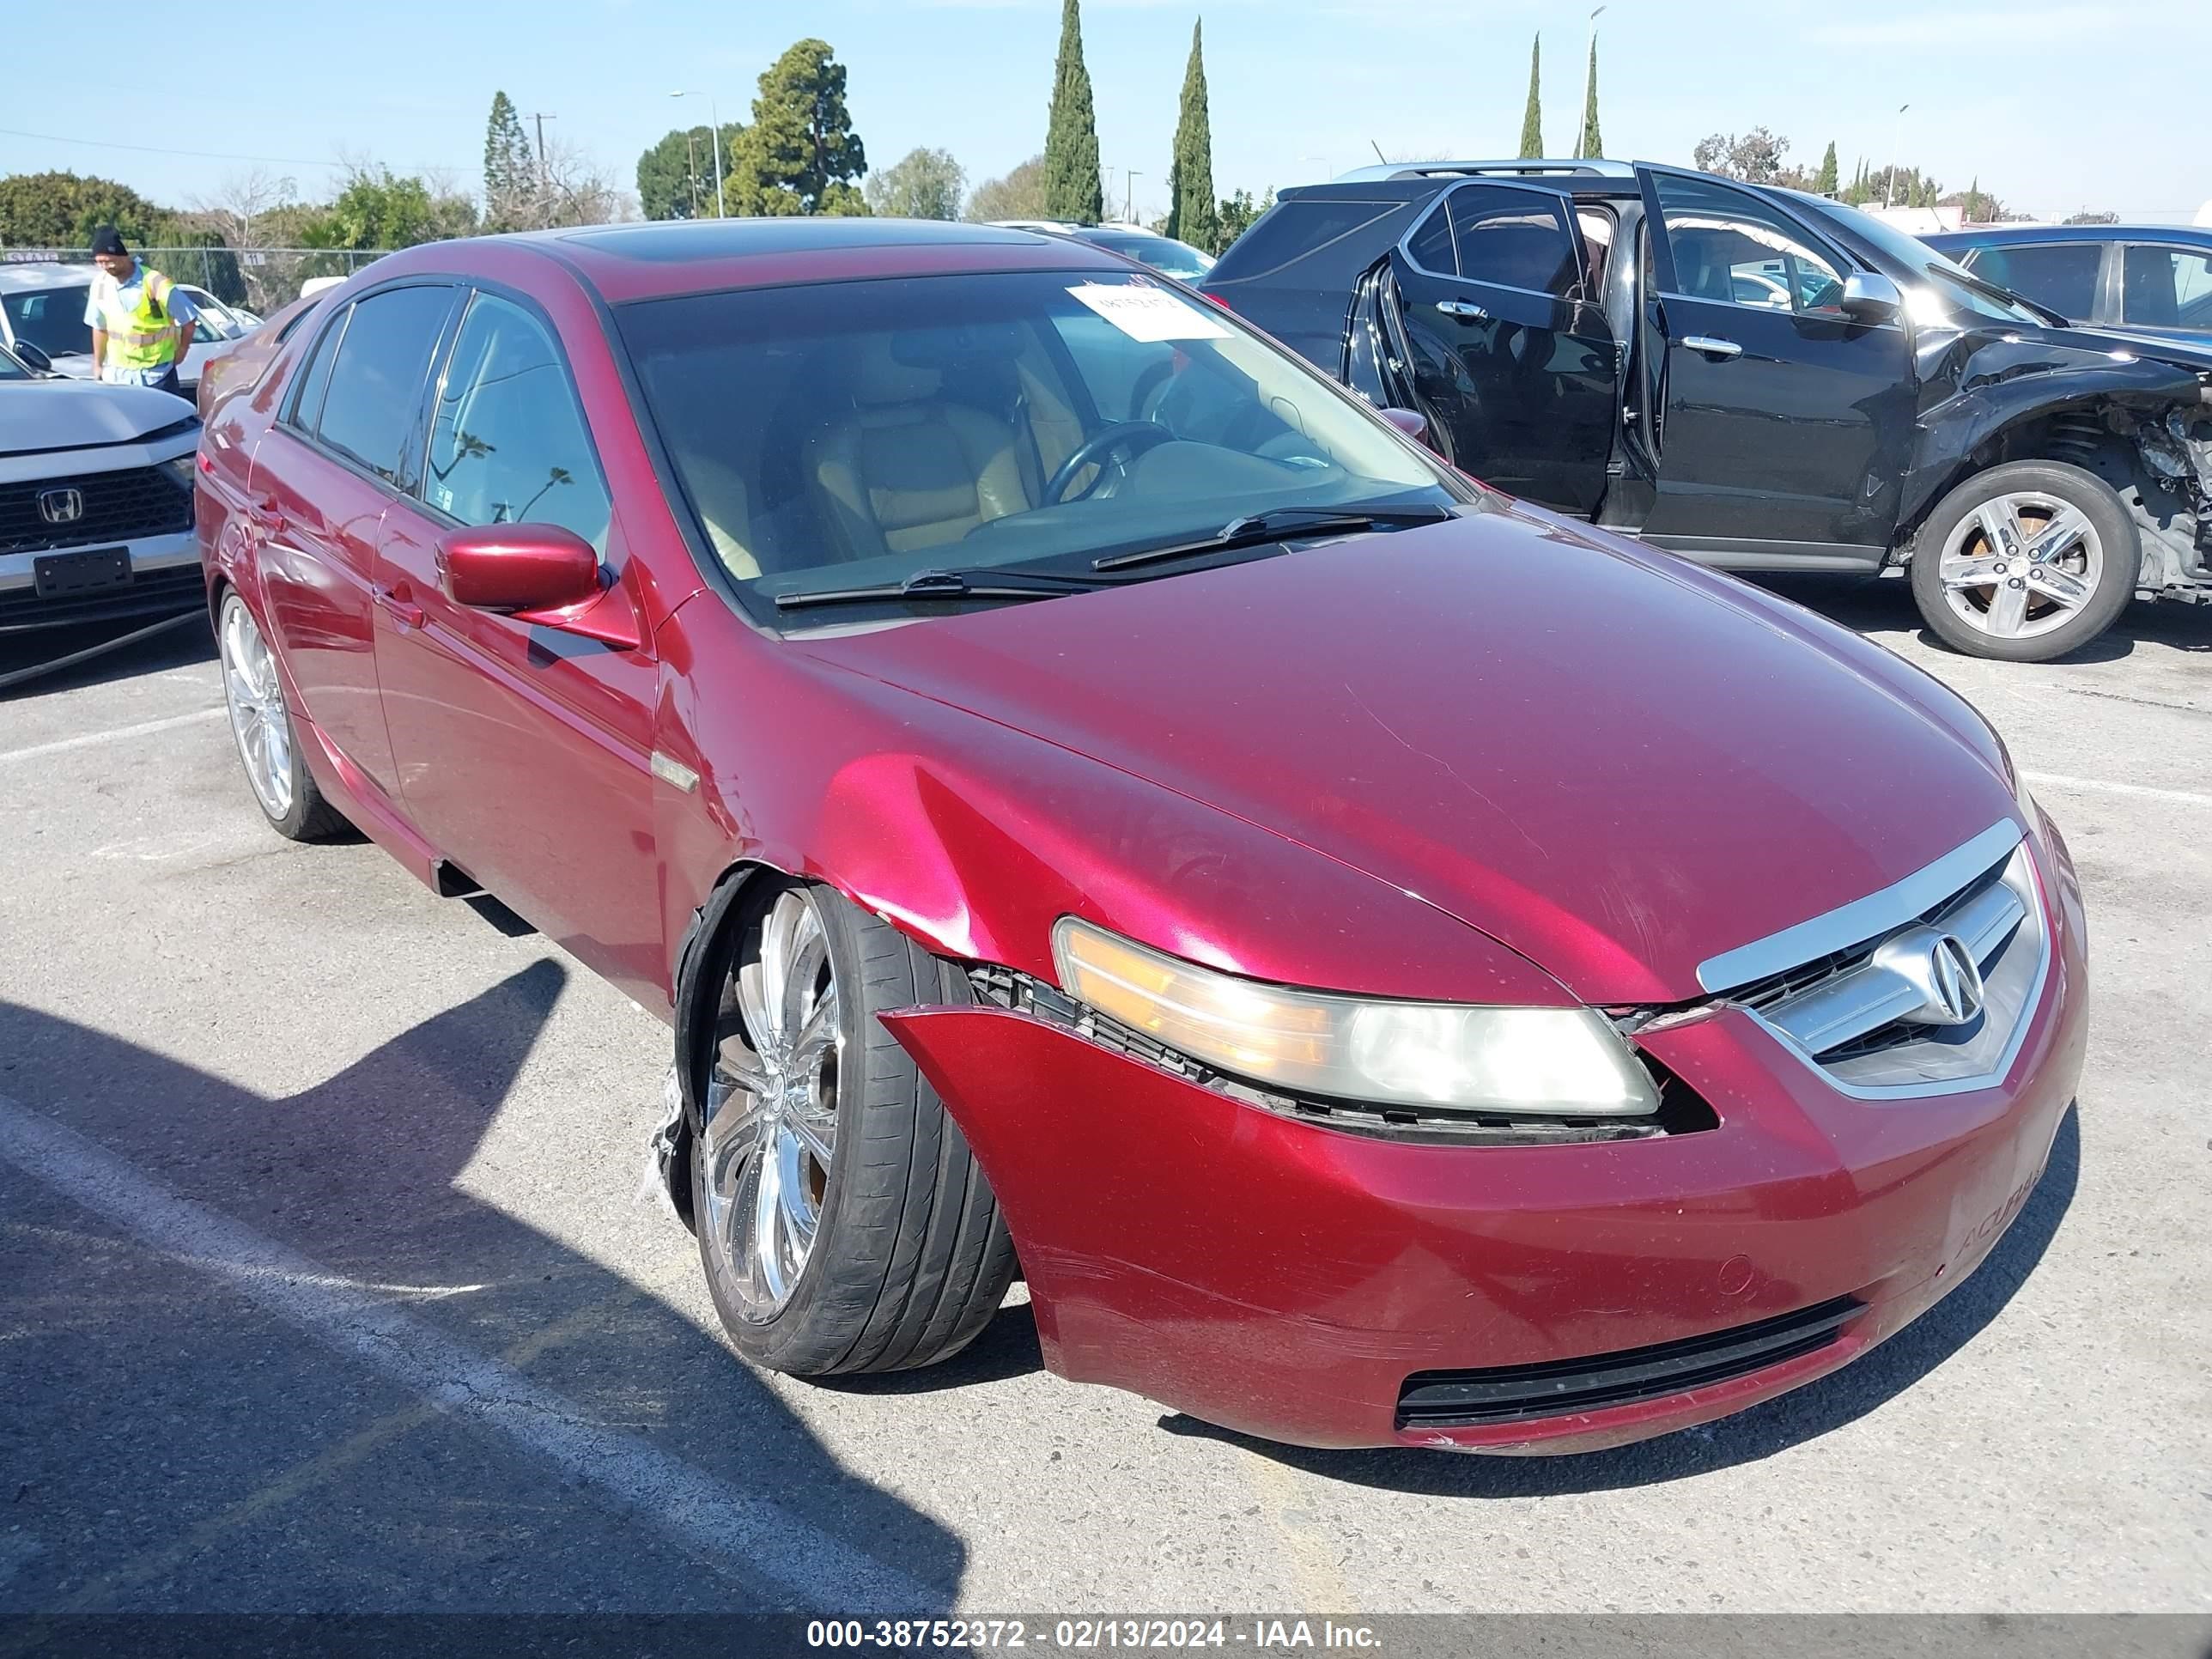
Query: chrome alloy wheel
x: 2022, y: 565
x: 258, y: 719
x: 771, y: 1107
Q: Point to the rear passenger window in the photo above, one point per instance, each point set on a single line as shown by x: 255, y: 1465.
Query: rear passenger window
x: 377, y: 375
x: 1517, y: 238
x: 508, y: 444
x: 307, y: 402
x: 2060, y: 275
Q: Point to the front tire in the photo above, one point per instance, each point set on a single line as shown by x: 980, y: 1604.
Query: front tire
x: 261, y: 725
x: 844, y: 1223
x: 2026, y: 562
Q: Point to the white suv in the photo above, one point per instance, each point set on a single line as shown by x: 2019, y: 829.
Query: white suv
x: 95, y: 501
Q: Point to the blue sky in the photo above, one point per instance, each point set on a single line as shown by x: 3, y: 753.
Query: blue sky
x: 1298, y: 86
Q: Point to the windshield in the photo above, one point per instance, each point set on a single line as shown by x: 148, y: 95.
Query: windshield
x: 51, y: 318
x: 853, y: 434
x: 1951, y: 287
x: 1163, y: 253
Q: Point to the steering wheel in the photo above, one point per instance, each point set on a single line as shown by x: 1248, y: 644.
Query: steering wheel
x: 1126, y: 438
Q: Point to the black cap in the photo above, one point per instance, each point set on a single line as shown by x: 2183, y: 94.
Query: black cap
x: 108, y: 239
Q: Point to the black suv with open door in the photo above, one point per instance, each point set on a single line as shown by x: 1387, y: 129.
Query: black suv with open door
x: 1756, y: 377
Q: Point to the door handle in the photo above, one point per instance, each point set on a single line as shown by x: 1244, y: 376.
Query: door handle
x: 263, y: 510
x: 399, y: 602
x: 1711, y: 346
x: 1462, y: 308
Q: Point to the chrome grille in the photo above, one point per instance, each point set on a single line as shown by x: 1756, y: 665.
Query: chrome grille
x: 1863, y: 1012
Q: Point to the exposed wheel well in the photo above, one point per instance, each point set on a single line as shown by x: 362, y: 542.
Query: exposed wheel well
x: 2105, y: 438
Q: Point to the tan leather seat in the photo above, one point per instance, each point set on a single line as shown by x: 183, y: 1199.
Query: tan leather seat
x: 909, y: 468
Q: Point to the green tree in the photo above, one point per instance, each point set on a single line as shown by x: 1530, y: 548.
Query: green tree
x: 923, y: 184
x: 1592, y: 142
x: 1532, y: 118
x: 510, y: 178
x: 1019, y: 195
x: 1071, y: 186
x: 800, y: 155
x: 62, y: 210
x: 378, y: 209
x: 1235, y: 216
x: 1824, y: 182
x: 676, y: 177
x: 1193, y: 217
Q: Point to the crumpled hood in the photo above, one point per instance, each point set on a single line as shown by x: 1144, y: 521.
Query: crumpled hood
x: 1615, y: 764
x: 51, y: 415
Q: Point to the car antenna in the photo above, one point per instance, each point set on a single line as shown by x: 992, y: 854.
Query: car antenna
x: 1379, y: 156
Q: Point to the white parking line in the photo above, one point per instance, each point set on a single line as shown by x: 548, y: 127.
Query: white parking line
x: 2107, y: 787
x: 87, y: 739
x: 745, y: 1535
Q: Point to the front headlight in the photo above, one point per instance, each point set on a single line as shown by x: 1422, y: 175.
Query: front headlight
x: 1556, y: 1062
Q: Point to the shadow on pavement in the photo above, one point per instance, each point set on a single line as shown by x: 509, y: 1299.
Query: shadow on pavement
x: 1884, y: 605
x: 173, y: 1443
x: 23, y: 656
x: 1806, y: 1414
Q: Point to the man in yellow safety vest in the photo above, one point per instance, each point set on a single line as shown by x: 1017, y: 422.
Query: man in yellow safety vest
x: 142, y: 324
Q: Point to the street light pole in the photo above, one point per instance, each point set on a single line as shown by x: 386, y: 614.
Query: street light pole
x: 1129, y: 201
x: 1896, y: 137
x: 715, y: 132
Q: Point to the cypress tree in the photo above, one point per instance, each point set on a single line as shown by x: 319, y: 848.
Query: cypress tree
x: 1071, y: 188
x: 1593, y: 144
x: 1825, y: 183
x: 1193, y: 215
x: 1532, y: 118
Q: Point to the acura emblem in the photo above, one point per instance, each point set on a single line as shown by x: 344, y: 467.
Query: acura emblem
x: 1941, y: 969
x: 63, y: 506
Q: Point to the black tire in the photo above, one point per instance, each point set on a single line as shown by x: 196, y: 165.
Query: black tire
x: 306, y: 816
x: 2121, y: 556
x: 911, y: 1257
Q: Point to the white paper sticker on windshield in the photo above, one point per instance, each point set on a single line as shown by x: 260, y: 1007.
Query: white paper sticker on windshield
x: 1148, y: 313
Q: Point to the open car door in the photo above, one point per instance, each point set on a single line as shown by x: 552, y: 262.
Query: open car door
x: 1784, y: 422
x: 1511, y: 357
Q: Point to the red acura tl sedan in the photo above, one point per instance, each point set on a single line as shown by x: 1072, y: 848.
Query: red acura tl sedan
x: 1092, y: 799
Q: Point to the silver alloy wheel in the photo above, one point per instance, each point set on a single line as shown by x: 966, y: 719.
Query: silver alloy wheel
x: 256, y: 696
x: 771, y: 1109
x: 2021, y: 565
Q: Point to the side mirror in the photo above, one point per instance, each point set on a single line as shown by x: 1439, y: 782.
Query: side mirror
x: 1411, y: 422
x: 1871, y: 297
x: 539, y: 574
x: 34, y: 358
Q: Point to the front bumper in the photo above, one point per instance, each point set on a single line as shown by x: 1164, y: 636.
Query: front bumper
x: 1285, y: 1280
x: 165, y: 578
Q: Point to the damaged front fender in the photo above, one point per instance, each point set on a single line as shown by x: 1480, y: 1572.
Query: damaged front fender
x: 2142, y: 423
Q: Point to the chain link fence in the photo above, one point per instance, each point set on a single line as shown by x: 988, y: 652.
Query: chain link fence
x: 260, y: 279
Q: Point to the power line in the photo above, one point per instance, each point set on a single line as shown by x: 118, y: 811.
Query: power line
x: 199, y: 155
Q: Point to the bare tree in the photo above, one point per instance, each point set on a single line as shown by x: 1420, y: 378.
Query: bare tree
x: 570, y: 188
x: 241, y: 209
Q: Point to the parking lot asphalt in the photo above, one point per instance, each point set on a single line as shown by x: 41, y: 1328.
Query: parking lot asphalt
x: 327, y: 1282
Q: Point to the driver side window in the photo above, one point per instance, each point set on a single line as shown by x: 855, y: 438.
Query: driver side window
x: 1732, y: 248
x: 508, y: 444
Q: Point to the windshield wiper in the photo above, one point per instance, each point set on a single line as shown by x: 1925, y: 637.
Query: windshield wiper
x: 977, y: 584
x: 1277, y: 524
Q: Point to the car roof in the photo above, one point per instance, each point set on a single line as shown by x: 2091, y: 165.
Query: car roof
x: 16, y: 275
x: 671, y: 257
x: 1982, y: 235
